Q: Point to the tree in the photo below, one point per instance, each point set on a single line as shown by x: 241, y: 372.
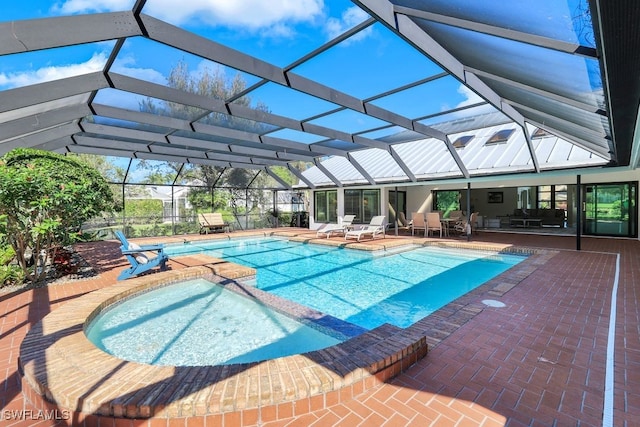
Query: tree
x: 214, y: 83
x: 44, y: 199
x: 113, y: 173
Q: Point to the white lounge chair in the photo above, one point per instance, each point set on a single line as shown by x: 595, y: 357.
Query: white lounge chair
x: 341, y: 228
x: 377, y: 226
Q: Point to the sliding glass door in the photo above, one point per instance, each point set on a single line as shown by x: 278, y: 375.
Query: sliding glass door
x: 610, y: 210
x: 364, y: 204
x: 397, y: 199
x: 326, y: 206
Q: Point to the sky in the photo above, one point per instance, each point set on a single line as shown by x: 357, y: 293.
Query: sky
x: 279, y: 32
x: 276, y: 31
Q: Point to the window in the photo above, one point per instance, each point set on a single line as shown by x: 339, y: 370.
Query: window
x: 552, y: 196
x: 500, y: 137
x: 526, y: 196
x: 560, y: 199
x: 364, y: 204
x: 462, y: 141
x: 446, y: 201
x: 326, y: 206
x: 544, y: 196
x: 182, y: 208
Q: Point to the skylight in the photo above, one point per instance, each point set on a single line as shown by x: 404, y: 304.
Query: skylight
x: 500, y: 137
x: 539, y: 133
x: 462, y: 141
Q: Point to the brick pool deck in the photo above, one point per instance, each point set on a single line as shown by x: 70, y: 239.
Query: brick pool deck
x: 540, y: 360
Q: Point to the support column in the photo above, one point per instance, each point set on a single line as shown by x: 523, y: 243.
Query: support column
x: 275, y: 208
x: 468, y: 230
x: 580, y: 212
x: 396, y: 208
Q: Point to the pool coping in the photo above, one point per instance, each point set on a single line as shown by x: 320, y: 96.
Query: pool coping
x: 61, y: 369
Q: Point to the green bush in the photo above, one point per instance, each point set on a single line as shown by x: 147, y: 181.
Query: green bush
x: 7, y: 254
x: 44, y: 199
x: 143, y: 211
x: 284, y: 219
x: 187, y: 228
x: 11, y: 275
x: 155, y: 230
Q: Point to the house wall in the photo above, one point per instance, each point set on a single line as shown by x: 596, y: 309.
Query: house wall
x: 419, y: 195
x: 419, y: 199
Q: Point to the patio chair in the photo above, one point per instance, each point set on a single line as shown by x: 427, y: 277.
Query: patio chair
x: 341, y: 228
x: 457, y: 215
x: 467, y: 227
x: 418, y: 222
x: 139, y: 261
x: 377, y: 226
x: 433, y: 223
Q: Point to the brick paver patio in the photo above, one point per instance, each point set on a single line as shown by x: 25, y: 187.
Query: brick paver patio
x: 540, y: 360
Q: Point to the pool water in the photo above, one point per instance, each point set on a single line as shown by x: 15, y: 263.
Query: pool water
x: 199, y: 323
x: 357, y: 286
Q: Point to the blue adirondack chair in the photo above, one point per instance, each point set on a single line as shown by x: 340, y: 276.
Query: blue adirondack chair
x: 138, y: 260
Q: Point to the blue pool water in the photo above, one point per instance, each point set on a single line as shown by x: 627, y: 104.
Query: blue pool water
x: 358, y: 286
x: 199, y: 323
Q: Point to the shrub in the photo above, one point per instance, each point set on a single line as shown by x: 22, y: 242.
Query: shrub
x: 44, y: 199
x: 10, y: 275
x: 7, y: 254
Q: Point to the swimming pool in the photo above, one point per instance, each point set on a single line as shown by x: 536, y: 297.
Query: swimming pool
x: 199, y: 323
x: 363, y: 288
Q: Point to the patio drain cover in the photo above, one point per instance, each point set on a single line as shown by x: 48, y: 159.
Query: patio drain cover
x: 493, y: 303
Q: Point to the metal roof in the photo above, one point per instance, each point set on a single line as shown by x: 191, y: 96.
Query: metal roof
x: 569, y: 67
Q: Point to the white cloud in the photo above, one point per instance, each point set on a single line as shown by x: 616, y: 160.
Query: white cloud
x: 95, y: 63
x: 126, y: 66
x: 470, y: 96
x: 349, y: 19
x: 281, y: 30
x: 70, y: 7
x: 247, y: 14
x: 121, y: 99
x: 45, y: 74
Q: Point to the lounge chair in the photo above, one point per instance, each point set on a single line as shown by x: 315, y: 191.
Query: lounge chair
x: 212, y: 222
x: 377, y: 226
x: 402, y: 222
x: 341, y: 228
x: 139, y: 261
